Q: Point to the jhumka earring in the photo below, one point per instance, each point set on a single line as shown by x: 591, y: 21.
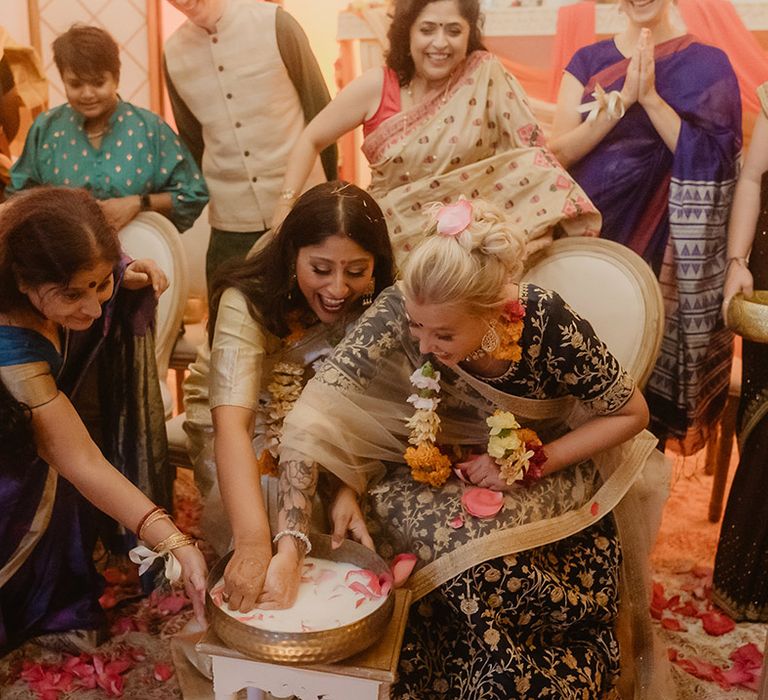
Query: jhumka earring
x: 367, y: 299
x: 292, y: 287
x: 491, y: 340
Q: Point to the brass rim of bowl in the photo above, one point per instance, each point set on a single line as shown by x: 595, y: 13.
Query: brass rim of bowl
x: 748, y: 316
x: 325, y: 646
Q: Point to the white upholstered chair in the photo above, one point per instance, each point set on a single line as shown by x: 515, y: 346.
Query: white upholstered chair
x: 614, y: 289
x: 151, y: 235
x: 617, y: 292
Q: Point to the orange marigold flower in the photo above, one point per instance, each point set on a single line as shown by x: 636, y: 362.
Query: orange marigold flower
x: 428, y: 465
x: 267, y: 464
x: 529, y: 437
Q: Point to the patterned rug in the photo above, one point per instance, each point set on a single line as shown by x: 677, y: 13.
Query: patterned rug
x: 713, y: 659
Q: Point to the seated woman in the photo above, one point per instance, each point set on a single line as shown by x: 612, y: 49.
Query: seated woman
x: 443, y: 118
x: 130, y: 160
x: 649, y: 123
x: 523, y: 604
x: 60, y: 275
x: 128, y: 157
x: 273, y: 317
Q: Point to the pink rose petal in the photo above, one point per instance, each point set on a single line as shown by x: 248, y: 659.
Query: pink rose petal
x: 482, y: 503
x: 456, y: 522
x: 673, y: 624
x: 700, y: 669
x: 460, y: 474
x: 401, y: 567
x: 688, y: 609
x: 171, y: 604
x: 716, y: 623
x: 363, y: 590
x: 162, y: 672
x: 371, y: 580
x: 747, y: 656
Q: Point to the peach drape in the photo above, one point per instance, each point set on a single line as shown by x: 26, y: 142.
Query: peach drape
x: 716, y: 22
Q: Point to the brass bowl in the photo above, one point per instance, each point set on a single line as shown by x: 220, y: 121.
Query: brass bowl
x: 748, y: 317
x: 326, y: 646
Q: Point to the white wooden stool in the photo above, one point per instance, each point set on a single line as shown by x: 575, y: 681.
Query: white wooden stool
x: 365, y: 676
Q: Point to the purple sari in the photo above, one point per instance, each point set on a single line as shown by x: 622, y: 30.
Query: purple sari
x: 672, y: 209
x: 55, y: 587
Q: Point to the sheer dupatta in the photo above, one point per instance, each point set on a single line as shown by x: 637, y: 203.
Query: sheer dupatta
x: 350, y: 420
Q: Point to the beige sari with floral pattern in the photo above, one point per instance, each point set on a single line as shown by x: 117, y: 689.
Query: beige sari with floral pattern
x: 478, y: 138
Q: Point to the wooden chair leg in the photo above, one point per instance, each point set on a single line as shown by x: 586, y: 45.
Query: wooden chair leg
x: 710, y: 464
x: 723, y: 457
x: 180, y: 374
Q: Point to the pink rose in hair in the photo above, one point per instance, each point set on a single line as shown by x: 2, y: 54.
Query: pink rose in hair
x: 452, y: 219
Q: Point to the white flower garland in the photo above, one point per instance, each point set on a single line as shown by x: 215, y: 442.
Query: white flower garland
x: 425, y: 422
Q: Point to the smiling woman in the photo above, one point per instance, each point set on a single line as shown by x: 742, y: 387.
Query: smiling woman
x: 522, y: 603
x: 658, y: 153
x: 273, y: 316
x: 128, y: 157
x: 441, y: 120
x: 61, y: 273
x: 78, y: 304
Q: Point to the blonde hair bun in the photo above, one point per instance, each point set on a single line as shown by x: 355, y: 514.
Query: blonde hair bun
x: 472, y: 267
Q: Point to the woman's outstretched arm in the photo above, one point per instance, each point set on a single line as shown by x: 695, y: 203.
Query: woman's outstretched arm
x: 744, y: 213
x: 350, y: 108
x: 63, y: 442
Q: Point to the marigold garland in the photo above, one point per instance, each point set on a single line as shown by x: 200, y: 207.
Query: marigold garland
x: 428, y: 464
x: 284, y: 390
x: 510, y: 332
x: 518, y: 451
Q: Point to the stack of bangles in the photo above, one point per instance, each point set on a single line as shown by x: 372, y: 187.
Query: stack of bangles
x: 162, y: 550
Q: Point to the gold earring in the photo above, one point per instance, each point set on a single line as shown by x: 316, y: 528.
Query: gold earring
x: 491, y: 340
x: 367, y: 298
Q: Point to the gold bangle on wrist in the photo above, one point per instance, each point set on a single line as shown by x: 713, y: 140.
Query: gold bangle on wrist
x: 153, y: 518
x: 174, y: 541
x: 143, y: 522
x: 736, y: 258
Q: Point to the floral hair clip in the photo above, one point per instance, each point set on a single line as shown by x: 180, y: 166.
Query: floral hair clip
x: 452, y: 219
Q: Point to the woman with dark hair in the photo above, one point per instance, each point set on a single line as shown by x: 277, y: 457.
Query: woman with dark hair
x: 128, y: 157
x: 444, y: 118
x: 273, y: 316
x: 64, y: 291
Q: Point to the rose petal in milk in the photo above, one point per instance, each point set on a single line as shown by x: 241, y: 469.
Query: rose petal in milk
x: 326, y: 599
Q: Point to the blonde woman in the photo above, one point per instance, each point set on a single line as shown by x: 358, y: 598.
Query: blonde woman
x: 524, y: 602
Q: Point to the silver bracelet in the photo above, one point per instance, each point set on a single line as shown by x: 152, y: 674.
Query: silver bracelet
x: 298, y: 535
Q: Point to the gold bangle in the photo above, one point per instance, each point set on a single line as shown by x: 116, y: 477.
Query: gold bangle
x: 153, y: 518
x: 735, y: 258
x: 145, y: 517
x: 174, y: 541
